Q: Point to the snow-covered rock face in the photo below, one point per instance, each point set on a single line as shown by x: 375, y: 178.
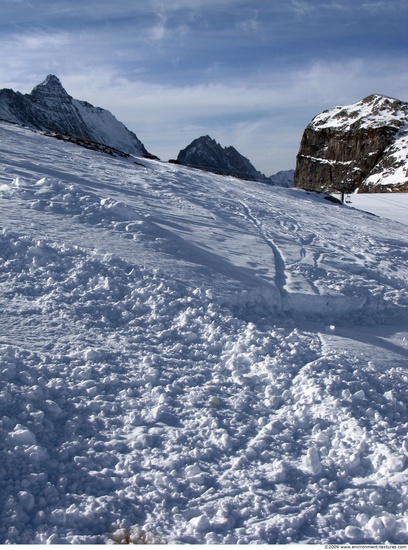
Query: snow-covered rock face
x: 362, y: 146
x: 205, y: 153
x: 50, y: 108
x: 374, y: 111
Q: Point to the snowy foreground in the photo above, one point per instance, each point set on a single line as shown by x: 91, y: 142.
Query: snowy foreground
x: 189, y: 358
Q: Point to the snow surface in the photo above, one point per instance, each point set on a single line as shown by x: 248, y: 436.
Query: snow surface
x: 108, y: 129
x: 189, y: 358
x: 396, y: 170
x: 388, y: 205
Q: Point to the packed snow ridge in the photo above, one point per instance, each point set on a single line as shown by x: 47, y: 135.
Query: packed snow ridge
x: 191, y: 358
x: 206, y: 154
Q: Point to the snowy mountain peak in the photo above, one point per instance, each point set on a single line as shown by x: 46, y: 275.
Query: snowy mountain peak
x: 52, y: 96
x: 283, y: 178
x: 50, y: 108
x: 374, y: 111
x: 52, y: 82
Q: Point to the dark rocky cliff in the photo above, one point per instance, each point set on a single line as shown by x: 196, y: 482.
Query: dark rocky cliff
x: 205, y: 153
x: 358, y: 146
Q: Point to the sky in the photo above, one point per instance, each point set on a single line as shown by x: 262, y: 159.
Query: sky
x: 249, y: 73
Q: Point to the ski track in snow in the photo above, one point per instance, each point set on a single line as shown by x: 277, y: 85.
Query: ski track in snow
x: 188, y: 358
x: 280, y: 268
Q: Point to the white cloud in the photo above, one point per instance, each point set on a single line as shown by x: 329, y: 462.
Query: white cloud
x: 302, y: 7
x: 43, y: 41
x: 385, y: 6
x: 251, y: 24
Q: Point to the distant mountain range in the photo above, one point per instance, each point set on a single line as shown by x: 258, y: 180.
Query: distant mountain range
x: 360, y: 146
x: 50, y: 108
x: 206, y: 154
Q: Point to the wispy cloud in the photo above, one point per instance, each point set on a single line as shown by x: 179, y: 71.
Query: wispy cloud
x: 395, y: 6
x: 42, y: 41
x: 251, y: 24
x: 248, y: 72
x: 302, y: 7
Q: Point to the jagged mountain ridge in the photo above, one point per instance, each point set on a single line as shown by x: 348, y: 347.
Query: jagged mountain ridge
x: 50, y: 108
x: 206, y: 154
x: 359, y: 146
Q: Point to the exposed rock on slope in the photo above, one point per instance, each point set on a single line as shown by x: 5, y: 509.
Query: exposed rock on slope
x: 50, y: 108
x: 205, y: 153
x: 363, y: 145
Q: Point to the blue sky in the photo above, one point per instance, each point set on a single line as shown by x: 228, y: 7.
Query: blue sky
x: 249, y: 73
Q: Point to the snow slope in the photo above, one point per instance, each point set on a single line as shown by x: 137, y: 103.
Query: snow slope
x: 393, y: 206
x: 189, y: 358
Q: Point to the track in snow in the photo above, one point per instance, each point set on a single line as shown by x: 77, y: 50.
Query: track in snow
x: 280, y: 268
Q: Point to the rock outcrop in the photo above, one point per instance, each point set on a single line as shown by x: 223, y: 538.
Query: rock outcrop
x: 360, y: 146
x: 50, y: 108
x: 205, y: 153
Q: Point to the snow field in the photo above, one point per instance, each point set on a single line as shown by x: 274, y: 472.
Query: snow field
x: 392, y: 206
x: 188, y: 359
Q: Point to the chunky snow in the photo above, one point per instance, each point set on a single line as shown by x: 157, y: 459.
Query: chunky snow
x: 189, y: 358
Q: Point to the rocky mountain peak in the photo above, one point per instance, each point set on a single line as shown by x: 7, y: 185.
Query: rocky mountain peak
x: 50, y: 87
x: 359, y: 146
x: 205, y: 153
